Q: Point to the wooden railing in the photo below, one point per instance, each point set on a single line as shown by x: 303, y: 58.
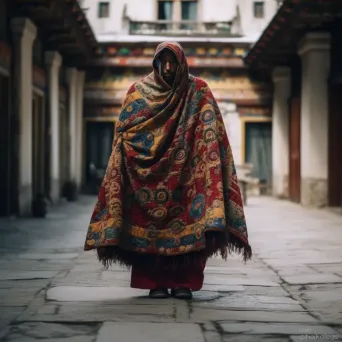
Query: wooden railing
x: 186, y: 27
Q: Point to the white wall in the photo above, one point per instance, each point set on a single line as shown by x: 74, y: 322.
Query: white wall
x: 217, y: 10
x: 280, y: 131
x: 232, y: 124
x: 142, y: 10
x: 250, y: 24
x: 314, y: 50
x: 209, y: 10
x: 135, y: 9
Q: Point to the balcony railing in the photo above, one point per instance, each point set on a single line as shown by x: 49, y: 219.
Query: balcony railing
x: 184, y: 28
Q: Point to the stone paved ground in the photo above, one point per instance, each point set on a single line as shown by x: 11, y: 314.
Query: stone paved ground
x: 292, y: 290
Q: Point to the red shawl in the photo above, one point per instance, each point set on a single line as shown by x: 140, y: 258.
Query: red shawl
x: 170, y: 191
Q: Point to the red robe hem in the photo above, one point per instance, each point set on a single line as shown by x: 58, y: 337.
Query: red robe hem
x: 191, y: 278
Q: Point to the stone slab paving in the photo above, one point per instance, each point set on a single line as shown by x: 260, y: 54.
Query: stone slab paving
x: 26, y: 275
x: 320, y: 278
x: 37, y: 331
x: 279, y: 329
x: 291, y: 291
x: 152, y: 332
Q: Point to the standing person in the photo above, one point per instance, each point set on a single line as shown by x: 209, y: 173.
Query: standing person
x: 170, y: 197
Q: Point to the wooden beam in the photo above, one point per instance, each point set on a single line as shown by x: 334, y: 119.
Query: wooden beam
x: 62, y: 23
x: 32, y: 2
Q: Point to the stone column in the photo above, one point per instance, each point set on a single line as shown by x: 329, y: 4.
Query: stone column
x: 54, y: 60
x: 72, y: 113
x: 232, y: 123
x: 79, y: 126
x: 24, y: 33
x: 280, y: 131
x: 177, y: 14
x: 314, y: 50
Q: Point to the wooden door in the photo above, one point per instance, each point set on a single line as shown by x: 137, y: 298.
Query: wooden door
x: 259, y: 150
x: 294, y: 172
x: 335, y: 146
x: 99, y: 147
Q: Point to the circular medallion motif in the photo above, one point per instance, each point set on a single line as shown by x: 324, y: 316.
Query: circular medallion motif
x: 213, y: 156
x: 161, y: 196
x: 207, y: 116
x: 198, y: 226
x: 210, y: 222
x: 179, y: 155
x: 143, y: 173
x: 144, y: 140
x: 177, y: 226
x: 158, y: 213
x: 209, y: 135
x: 149, y: 137
x: 114, y: 173
x: 199, y: 232
x: 197, y: 206
x: 132, y: 109
x: 144, y: 196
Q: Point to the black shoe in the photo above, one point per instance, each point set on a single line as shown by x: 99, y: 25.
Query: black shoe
x: 182, y: 293
x: 159, y: 293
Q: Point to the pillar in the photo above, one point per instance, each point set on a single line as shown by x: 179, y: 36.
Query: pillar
x: 24, y: 33
x: 314, y: 50
x: 53, y: 61
x: 232, y: 123
x: 280, y: 131
x: 72, y: 113
x: 79, y: 126
x: 177, y: 14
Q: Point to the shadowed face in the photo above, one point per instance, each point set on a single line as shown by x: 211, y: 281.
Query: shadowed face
x: 169, y: 66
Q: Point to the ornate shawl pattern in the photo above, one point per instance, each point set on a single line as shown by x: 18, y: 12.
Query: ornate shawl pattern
x: 170, y: 187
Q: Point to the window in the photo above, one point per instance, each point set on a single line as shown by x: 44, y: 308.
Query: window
x: 165, y: 9
x: 189, y: 10
x: 103, y: 10
x: 177, y: 10
x: 258, y: 9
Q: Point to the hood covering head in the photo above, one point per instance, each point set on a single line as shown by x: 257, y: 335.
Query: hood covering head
x: 182, y: 74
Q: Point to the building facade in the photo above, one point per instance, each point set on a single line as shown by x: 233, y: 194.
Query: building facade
x: 122, y: 18
x: 301, y: 50
x: 215, y: 34
x: 43, y: 45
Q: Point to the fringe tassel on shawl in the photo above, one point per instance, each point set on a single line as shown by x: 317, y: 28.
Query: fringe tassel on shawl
x: 216, y: 244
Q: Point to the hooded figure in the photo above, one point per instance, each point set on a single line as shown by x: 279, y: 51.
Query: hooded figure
x: 170, y: 198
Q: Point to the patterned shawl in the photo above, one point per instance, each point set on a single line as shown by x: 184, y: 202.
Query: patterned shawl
x: 170, y: 191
